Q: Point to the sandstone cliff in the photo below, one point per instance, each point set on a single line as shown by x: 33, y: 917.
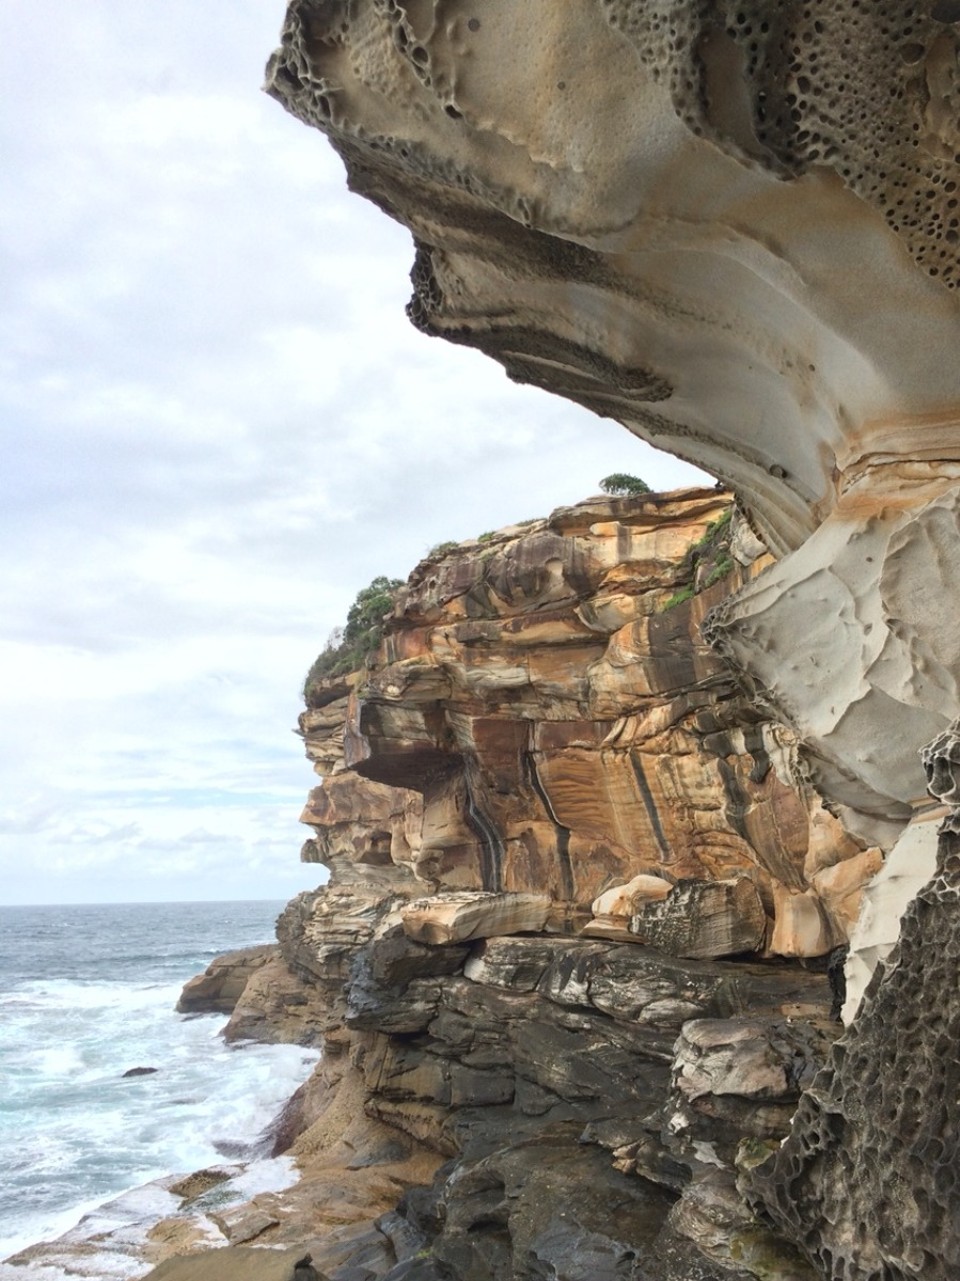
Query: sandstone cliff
x: 572, y: 869
x: 733, y: 227
x: 544, y: 718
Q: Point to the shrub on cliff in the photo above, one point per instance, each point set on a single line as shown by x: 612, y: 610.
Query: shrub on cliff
x: 347, y: 647
x: 621, y: 485
x: 706, y: 561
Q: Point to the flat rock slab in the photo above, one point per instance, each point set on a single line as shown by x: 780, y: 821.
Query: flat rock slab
x: 234, y: 1263
x: 459, y: 917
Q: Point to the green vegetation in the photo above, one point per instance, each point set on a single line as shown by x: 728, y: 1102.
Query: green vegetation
x: 715, y: 530
x: 486, y: 536
x: 621, y: 485
x: 441, y: 549
x: 706, y: 561
x: 714, y: 539
x: 685, y: 593
x: 347, y: 647
x: 720, y: 570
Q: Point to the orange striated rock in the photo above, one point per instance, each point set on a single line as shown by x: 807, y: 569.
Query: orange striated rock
x: 544, y: 717
x: 565, y: 847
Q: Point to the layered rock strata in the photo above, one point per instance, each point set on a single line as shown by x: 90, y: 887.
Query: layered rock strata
x: 567, y: 1015
x: 587, y: 1097
x: 544, y: 718
x: 220, y: 986
x: 573, y: 871
x: 866, y: 1180
x: 265, y: 1000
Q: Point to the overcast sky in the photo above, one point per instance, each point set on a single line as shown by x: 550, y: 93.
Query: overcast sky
x: 217, y: 426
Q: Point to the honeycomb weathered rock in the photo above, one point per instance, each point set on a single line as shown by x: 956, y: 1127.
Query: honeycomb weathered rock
x: 867, y: 1182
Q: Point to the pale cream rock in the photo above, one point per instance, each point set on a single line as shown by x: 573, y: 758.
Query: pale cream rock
x: 801, y: 927
x: 841, y: 887
x: 853, y: 637
x: 457, y: 918
x: 624, y: 900
x: 909, y: 865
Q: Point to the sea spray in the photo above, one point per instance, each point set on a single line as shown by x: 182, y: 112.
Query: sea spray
x: 88, y: 993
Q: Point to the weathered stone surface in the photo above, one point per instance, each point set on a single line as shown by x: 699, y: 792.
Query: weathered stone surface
x: 524, y: 1060
x: 372, y: 830
x: 908, y: 867
x: 220, y: 986
x: 734, y: 1056
x: 458, y: 1023
x: 614, y: 746
x: 734, y: 227
x: 866, y: 1182
x: 712, y: 1214
x: 739, y: 1079
x: 275, y: 1006
x: 704, y: 918
x: 678, y: 220
x: 461, y: 917
x: 555, y: 1213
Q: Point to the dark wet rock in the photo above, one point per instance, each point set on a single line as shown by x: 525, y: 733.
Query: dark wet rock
x: 303, y: 1270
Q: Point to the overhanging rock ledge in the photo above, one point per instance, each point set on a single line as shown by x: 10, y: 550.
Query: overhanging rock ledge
x: 734, y: 228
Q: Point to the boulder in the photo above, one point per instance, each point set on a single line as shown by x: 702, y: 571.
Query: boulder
x: 220, y: 986
x: 461, y: 917
x: 703, y: 919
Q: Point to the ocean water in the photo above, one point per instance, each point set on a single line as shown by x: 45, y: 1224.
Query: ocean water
x: 88, y: 992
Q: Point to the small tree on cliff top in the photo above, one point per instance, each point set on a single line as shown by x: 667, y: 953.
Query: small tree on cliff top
x: 621, y: 485
x: 347, y: 647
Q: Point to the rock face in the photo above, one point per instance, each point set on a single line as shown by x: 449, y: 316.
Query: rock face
x: 544, y: 718
x: 275, y: 1006
x: 867, y: 1180
x: 573, y: 872
x: 266, y: 1001
x: 220, y: 986
x: 733, y: 227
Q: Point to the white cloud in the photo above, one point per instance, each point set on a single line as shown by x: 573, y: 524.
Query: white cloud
x: 217, y: 426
